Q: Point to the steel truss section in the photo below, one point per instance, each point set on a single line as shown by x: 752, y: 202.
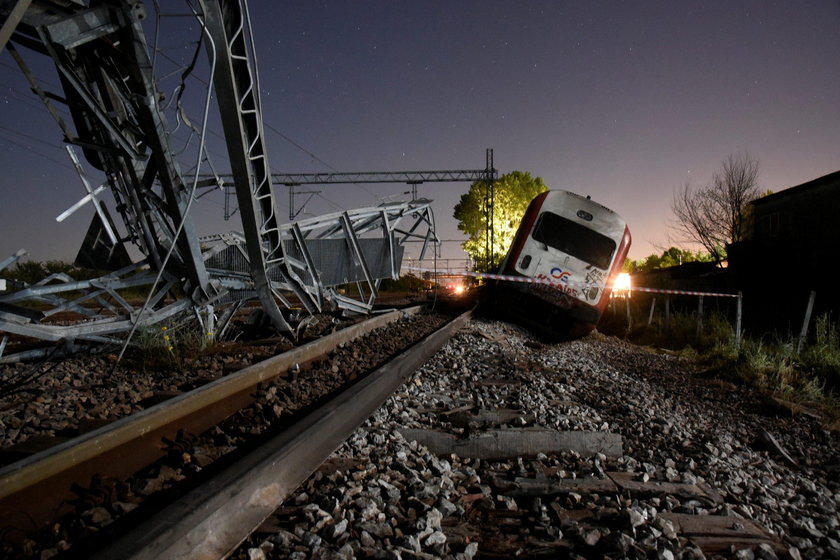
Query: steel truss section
x: 487, y: 175
x: 108, y: 86
x: 102, y: 59
x: 326, y: 253
x: 410, y: 177
x: 237, y: 88
x: 60, y: 308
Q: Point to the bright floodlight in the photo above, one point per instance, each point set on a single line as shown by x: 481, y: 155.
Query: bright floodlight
x: 622, y: 283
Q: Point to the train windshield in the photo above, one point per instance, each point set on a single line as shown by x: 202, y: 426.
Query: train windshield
x: 574, y: 239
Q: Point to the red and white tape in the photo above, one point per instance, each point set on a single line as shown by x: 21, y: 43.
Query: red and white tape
x: 681, y: 292
x: 491, y: 276
x: 527, y: 280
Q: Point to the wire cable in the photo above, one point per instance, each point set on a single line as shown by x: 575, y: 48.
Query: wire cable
x: 33, y: 150
x: 136, y: 323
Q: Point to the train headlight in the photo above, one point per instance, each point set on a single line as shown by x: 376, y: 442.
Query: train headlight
x: 622, y: 283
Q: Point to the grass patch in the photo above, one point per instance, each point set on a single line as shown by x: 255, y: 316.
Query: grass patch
x: 809, y: 376
x: 169, y: 345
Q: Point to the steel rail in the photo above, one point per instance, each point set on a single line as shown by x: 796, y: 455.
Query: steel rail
x: 211, y: 521
x: 33, y: 490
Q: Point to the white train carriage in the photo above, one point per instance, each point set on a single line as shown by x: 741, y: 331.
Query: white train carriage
x: 568, y: 251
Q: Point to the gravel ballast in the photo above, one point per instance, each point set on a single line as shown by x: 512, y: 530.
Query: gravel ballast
x: 384, y: 496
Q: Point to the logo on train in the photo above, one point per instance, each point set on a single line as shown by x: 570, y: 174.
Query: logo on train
x: 560, y: 275
x: 559, y: 280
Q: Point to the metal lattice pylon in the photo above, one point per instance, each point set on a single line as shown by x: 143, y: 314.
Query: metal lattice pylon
x: 107, y: 75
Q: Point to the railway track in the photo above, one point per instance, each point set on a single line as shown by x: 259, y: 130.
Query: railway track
x: 498, y: 446
x: 503, y: 447
x: 38, y: 491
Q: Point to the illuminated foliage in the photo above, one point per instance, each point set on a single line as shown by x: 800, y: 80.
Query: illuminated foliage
x: 512, y: 193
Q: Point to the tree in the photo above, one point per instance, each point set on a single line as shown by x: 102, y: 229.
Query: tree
x: 670, y: 257
x: 512, y: 193
x: 713, y: 215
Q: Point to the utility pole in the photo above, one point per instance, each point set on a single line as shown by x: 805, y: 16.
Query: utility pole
x: 489, y: 204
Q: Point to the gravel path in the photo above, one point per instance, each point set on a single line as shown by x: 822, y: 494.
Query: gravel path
x: 382, y: 496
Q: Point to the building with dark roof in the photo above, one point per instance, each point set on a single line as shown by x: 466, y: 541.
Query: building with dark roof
x: 791, y: 250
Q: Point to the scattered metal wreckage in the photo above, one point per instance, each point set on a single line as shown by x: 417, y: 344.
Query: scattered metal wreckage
x: 119, y: 115
x: 322, y: 254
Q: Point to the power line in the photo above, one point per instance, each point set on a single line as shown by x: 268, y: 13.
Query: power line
x: 312, y: 155
x: 298, y: 146
x: 15, y: 69
x: 32, y: 150
x: 30, y: 137
x: 26, y: 98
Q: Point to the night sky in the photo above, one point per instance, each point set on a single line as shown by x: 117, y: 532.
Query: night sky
x: 623, y: 101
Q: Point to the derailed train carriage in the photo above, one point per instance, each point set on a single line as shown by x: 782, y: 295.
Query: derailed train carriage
x: 567, y: 253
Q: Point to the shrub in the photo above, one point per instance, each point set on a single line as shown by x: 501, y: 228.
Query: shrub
x: 405, y: 283
x: 822, y: 358
x: 32, y: 272
x: 166, y: 345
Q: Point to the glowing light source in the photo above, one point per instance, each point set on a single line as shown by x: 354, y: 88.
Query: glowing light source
x: 622, y: 283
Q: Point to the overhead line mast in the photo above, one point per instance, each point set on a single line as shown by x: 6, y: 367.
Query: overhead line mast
x: 118, y: 119
x: 488, y: 175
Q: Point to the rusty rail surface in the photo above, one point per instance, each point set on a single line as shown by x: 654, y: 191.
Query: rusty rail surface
x: 33, y: 490
x: 211, y: 521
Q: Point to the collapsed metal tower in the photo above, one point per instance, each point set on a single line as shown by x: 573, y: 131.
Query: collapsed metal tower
x: 118, y: 121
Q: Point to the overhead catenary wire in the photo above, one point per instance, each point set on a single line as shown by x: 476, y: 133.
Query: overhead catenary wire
x: 159, y: 54
x: 30, y: 137
x: 33, y: 150
x: 182, y: 117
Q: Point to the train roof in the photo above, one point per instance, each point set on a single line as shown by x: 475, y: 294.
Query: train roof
x: 587, y: 198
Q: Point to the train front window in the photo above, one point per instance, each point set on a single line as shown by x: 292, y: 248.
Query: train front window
x: 574, y: 239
